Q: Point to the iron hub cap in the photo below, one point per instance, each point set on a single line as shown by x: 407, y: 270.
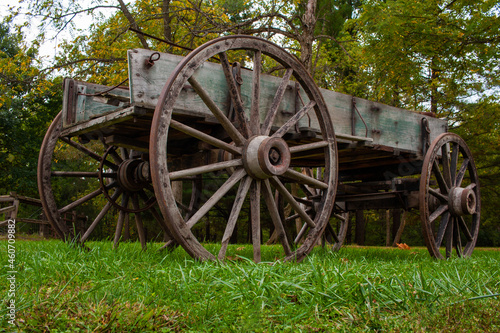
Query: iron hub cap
x: 264, y: 157
x: 462, y: 201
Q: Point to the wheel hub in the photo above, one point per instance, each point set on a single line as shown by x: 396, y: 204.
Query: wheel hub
x: 462, y: 201
x: 133, y: 175
x: 264, y: 157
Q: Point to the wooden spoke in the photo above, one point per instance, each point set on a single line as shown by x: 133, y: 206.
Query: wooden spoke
x: 438, y: 212
x: 296, y: 216
x: 462, y: 226
x: 332, y: 232
x: 114, y: 155
x: 445, y: 151
x: 461, y: 172
x: 437, y: 194
x: 99, y: 217
x: 235, y: 212
x: 254, y: 108
x: 124, y: 152
x: 471, y: 186
x: 340, y: 217
x: 278, y: 97
x: 449, y: 238
x: 443, y: 186
x: 301, y: 234
x: 292, y: 121
x: 309, y: 146
x: 121, y: 219
x: 205, y: 169
x: 160, y: 221
x: 454, y: 163
x: 89, y: 153
x: 205, y: 137
x: 305, y: 179
x: 295, y: 205
x: 235, y: 94
x: 138, y: 221
x: 221, y: 117
x: 442, y: 229
x: 273, y: 211
x: 82, y: 200
x: 219, y: 194
x: 91, y: 174
x: 457, y: 239
x: 255, y: 218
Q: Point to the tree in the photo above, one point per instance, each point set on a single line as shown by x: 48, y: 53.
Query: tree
x: 430, y: 54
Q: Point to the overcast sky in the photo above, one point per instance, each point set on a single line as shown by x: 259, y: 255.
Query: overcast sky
x: 49, y: 48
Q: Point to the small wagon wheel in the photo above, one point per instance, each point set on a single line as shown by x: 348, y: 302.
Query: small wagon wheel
x: 106, y: 176
x: 261, y: 158
x: 450, y: 201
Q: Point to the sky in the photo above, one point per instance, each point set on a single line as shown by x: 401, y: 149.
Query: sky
x: 49, y: 47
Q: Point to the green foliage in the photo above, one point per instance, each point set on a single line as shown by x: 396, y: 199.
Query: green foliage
x: 28, y: 102
x: 65, y: 288
x: 479, y: 125
x: 435, y: 51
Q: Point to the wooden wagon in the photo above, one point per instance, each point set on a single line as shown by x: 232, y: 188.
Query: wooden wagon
x: 191, y: 132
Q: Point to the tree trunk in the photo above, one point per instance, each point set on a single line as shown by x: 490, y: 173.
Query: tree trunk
x: 360, y: 227
x: 133, y: 23
x: 387, y: 228
x: 396, y: 221
x: 434, y: 87
x: 167, y: 19
x: 306, y: 39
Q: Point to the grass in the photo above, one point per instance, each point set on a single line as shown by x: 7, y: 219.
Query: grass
x: 62, y: 288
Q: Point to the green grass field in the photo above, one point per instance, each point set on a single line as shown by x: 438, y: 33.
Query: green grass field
x: 63, y: 288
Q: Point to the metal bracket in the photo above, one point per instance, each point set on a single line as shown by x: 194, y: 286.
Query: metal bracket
x: 355, y: 110
x: 426, y: 135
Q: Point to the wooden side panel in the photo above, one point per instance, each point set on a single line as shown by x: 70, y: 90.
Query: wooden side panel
x: 385, y: 125
x: 82, y: 101
x: 146, y: 83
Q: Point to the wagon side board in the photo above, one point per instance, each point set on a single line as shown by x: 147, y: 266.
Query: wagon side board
x: 355, y: 120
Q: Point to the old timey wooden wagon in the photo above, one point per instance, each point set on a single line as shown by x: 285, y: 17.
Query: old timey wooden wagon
x: 211, y: 134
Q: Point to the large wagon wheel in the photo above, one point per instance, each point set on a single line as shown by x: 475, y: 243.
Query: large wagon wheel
x: 261, y: 158
x: 450, y: 201
x: 108, y: 176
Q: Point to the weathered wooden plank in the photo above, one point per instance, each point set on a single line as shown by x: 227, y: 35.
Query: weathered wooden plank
x: 6, y: 198
x: 101, y: 123
x: 146, y: 83
x: 7, y: 209
x: 354, y: 119
x: 25, y: 220
x: 26, y: 200
x: 385, y: 125
x: 83, y: 101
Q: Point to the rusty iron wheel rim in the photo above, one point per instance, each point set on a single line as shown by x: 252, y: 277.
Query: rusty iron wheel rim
x: 249, y: 185
x: 449, y: 197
